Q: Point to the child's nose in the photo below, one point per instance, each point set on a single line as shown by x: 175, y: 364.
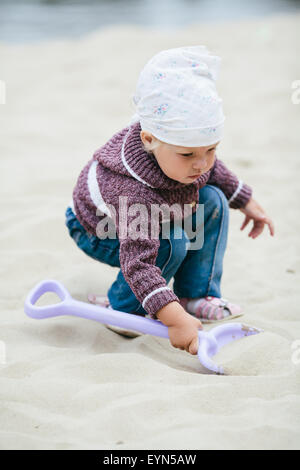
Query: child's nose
x: 200, y: 165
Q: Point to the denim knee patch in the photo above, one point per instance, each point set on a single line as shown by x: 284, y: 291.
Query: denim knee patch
x: 212, y: 194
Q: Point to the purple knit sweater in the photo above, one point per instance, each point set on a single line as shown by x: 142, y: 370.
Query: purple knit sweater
x: 122, y: 167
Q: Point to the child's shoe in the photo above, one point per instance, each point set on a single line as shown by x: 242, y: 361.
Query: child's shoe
x: 104, y: 302
x: 211, y: 309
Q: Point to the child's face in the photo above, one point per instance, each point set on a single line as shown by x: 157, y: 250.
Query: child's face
x: 182, y: 163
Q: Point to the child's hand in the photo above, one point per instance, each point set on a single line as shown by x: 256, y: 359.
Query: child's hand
x: 184, y: 334
x: 182, y: 327
x: 255, y: 212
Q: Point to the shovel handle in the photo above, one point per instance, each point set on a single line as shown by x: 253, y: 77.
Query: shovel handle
x: 47, y: 311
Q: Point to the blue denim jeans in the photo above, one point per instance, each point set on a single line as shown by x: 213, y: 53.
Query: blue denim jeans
x: 197, y: 273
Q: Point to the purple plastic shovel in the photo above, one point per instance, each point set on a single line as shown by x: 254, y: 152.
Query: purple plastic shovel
x: 209, y: 342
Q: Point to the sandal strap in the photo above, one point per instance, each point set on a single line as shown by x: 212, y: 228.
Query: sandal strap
x: 221, y: 302
x: 209, y: 308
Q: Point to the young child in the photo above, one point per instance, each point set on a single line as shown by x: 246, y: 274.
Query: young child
x: 166, y: 156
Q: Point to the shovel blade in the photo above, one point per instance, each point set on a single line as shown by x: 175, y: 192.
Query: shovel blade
x: 219, y: 337
x: 225, y: 334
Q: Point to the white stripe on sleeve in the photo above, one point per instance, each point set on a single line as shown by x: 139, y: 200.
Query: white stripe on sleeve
x: 236, y: 192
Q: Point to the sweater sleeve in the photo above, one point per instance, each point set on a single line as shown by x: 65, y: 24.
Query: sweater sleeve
x: 138, y: 258
x: 237, y: 192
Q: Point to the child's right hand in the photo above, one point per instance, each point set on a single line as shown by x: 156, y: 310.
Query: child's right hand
x: 182, y: 327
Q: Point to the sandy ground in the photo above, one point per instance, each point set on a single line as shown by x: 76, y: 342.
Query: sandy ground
x: 69, y: 383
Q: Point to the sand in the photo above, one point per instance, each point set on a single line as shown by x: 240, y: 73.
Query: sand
x: 69, y: 383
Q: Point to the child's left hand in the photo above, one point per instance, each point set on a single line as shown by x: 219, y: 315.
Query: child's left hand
x: 255, y: 212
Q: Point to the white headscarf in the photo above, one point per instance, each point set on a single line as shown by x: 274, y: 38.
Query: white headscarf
x: 176, y: 97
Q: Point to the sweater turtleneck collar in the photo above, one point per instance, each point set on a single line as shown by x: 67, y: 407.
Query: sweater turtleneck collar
x: 143, y: 166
